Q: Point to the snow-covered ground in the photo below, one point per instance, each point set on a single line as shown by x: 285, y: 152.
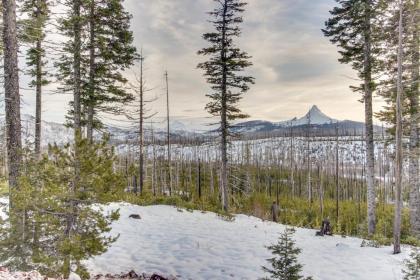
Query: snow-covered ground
x: 202, y: 246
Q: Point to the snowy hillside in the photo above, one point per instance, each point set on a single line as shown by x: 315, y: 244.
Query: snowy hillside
x: 351, y: 150
x: 53, y: 132
x: 202, y: 246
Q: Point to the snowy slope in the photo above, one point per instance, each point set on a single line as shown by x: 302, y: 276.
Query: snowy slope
x: 202, y: 246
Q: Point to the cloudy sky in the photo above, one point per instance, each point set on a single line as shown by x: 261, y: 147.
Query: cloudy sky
x: 294, y: 65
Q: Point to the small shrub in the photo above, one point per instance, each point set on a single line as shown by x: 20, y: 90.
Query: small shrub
x: 284, y: 264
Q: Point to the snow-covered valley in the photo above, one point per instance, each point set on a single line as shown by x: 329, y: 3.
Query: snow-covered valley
x: 203, y: 246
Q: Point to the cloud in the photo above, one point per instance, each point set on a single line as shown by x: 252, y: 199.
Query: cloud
x: 294, y: 65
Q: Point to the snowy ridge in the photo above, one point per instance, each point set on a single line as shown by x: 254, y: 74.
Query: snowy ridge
x: 202, y: 246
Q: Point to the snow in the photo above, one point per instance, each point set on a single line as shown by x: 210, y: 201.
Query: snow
x: 314, y: 116
x: 203, y: 246
x: 4, y: 202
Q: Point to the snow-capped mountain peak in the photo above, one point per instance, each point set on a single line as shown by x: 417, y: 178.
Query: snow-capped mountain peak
x: 314, y: 117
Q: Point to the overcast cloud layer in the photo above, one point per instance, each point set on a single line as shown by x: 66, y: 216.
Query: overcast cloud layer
x: 294, y: 65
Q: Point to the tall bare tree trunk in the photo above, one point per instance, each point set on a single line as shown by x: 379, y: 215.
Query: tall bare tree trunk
x: 337, y: 187
x: 308, y: 158
x: 141, y: 129
x: 414, y: 128
x: 168, y: 132
x: 154, y: 171
x: 370, y: 156
x: 11, y: 89
x: 38, y: 102
x: 398, y: 139
x: 224, y: 124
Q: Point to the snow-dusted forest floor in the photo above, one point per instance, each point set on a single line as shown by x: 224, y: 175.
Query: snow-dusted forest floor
x: 203, y: 246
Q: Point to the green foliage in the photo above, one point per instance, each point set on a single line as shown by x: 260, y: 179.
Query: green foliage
x: 284, y: 264
x: 107, y: 51
x: 4, y: 188
x: 33, y: 32
x: 55, y: 219
x: 351, y: 27
x: 412, y: 266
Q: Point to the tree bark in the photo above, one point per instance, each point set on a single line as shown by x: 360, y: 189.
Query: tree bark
x: 337, y: 187
x: 224, y: 125
x: 141, y: 129
x: 398, y: 140
x: 38, y: 102
x: 370, y: 156
x: 414, y: 201
x: 168, y: 135
x: 76, y: 66
x: 11, y: 89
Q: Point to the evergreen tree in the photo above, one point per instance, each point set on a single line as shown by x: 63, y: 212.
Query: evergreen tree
x: 111, y: 51
x: 34, y: 34
x: 352, y: 28
x: 48, y: 197
x: 284, y: 265
x: 412, y: 266
x: 223, y: 73
x: 106, y: 50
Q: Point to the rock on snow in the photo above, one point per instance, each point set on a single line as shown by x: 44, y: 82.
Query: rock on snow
x: 202, y: 246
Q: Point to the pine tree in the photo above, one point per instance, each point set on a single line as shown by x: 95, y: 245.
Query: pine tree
x: 412, y: 266
x: 47, y: 243
x: 352, y: 29
x: 223, y: 73
x: 284, y: 265
x: 104, y: 51
x: 111, y: 51
x: 34, y: 34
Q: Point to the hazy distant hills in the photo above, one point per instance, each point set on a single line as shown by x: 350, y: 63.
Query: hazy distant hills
x: 314, y: 121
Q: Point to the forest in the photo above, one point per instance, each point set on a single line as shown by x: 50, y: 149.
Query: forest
x: 92, y: 197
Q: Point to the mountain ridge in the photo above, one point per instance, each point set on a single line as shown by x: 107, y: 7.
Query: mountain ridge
x: 314, y: 118
x: 54, y: 132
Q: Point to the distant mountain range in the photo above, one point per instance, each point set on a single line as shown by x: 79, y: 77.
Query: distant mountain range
x: 318, y: 122
x: 315, y: 119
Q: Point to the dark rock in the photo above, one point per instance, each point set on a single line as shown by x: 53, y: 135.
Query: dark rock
x: 135, y: 216
x: 157, y: 277
x: 132, y: 274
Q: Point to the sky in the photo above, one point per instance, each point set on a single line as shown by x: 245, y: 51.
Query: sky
x: 294, y: 65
